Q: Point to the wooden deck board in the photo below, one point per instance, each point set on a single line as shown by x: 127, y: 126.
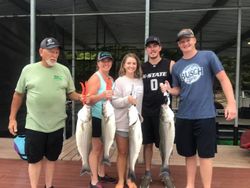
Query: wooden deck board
x: 228, y: 156
x: 232, y: 168
x: 13, y: 173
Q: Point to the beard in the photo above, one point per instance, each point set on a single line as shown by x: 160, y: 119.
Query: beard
x: 50, y: 63
x: 154, y: 55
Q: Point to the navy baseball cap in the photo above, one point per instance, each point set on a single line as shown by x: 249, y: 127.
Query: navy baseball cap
x: 185, y: 33
x: 104, y: 55
x: 49, y: 43
x: 152, y: 39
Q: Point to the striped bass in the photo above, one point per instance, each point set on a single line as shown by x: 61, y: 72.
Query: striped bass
x: 167, y: 134
x: 83, y: 137
x: 135, y: 139
x: 108, y: 130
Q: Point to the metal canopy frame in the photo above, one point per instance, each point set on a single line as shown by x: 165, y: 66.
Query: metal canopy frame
x: 208, y: 16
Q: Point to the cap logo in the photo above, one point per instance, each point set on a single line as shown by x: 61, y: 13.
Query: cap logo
x: 103, y: 55
x: 50, y: 42
x: 152, y: 39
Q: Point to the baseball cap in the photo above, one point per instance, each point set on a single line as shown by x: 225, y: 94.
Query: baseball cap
x: 185, y: 33
x: 104, y: 55
x: 152, y: 39
x: 49, y: 43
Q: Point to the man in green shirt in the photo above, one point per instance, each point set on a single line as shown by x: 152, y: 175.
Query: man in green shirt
x: 46, y: 85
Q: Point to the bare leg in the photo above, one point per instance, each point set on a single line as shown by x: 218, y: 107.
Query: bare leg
x: 131, y: 184
x: 122, y: 145
x: 148, y: 154
x: 94, y: 159
x: 101, y: 167
x: 206, y: 171
x: 191, y: 165
x: 34, y: 173
x: 49, y: 172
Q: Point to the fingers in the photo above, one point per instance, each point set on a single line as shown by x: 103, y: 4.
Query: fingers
x: 131, y: 100
x: 167, y: 83
x: 108, y: 94
x: 13, y: 130
x: 163, y: 87
x: 226, y: 114
x: 229, y: 114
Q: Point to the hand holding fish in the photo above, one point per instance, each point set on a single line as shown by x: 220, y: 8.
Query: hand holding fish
x: 165, y: 87
x: 131, y: 100
x: 107, y: 94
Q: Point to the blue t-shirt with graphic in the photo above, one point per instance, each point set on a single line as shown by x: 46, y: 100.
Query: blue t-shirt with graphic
x: 195, y: 77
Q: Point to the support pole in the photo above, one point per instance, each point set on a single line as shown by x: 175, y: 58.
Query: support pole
x: 147, y: 20
x: 73, y: 67
x: 32, y: 30
x: 237, y: 88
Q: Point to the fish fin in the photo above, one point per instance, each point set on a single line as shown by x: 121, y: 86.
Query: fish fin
x: 164, y: 172
x: 131, y: 175
x: 140, y: 117
x: 106, y: 161
x: 85, y: 171
x: 108, y: 83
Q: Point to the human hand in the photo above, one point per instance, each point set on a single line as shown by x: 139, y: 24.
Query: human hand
x: 80, y: 97
x: 108, y: 94
x: 163, y: 88
x: 230, y: 112
x: 12, y: 127
x: 131, y: 100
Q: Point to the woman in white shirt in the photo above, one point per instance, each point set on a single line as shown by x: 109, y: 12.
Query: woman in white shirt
x: 128, y: 91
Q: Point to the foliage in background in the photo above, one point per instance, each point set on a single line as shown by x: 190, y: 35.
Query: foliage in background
x: 85, y: 63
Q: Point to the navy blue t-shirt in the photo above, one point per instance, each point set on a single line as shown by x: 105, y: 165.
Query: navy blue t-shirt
x: 195, y: 77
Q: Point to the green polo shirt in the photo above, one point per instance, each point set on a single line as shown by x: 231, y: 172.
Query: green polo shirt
x: 46, y: 90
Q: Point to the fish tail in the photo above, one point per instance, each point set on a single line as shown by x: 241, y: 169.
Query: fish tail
x: 131, y: 175
x: 85, y: 171
x: 106, y: 161
x: 164, y: 171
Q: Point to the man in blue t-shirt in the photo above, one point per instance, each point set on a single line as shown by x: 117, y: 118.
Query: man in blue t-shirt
x: 193, y: 76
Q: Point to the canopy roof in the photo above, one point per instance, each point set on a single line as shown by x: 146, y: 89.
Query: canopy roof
x: 122, y: 23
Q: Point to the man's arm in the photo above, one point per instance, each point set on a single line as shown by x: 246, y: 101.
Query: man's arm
x: 171, y: 65
x: 172, y: 90
x: 15, y: 106
x: 75, y: 96
x: 230, y: 110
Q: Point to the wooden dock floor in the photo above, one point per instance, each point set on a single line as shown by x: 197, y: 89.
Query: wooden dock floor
x: 232, y: 168
x: 227, y: 156
x: 13, y: 173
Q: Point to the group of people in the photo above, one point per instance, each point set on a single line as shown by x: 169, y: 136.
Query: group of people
x: 46, y: 85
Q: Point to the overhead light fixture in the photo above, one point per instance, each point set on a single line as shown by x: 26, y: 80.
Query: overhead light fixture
x: 248, y: 42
